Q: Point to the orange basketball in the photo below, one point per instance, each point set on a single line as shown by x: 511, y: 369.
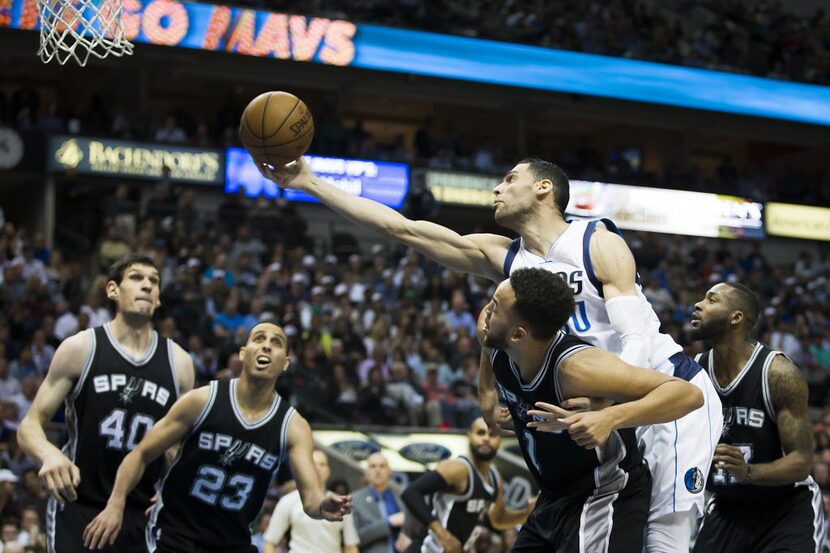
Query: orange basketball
x: 276, y: 128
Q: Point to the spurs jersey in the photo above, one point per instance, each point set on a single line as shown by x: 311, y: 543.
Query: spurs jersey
x: 559, y: 465
x: 459, y: 514
x: 114, y: 403
x: 215, y: 487
x: 569, y: 257
x: 749, y: 424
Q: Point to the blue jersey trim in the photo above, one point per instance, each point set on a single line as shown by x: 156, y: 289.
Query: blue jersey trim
x: 586, y: 251
x: 685, y: 367
x: 511, y: 255
x: 674, y: 488
x: 586, y: 256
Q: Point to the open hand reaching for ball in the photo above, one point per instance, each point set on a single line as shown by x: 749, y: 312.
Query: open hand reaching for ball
x: 296, y: 175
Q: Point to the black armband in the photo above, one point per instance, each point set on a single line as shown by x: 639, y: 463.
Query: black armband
x: 414, y: 495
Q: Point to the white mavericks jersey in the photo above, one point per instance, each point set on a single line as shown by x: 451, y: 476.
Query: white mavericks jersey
x: 569, y: 257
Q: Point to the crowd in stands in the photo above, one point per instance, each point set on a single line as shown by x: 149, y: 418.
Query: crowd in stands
x: 435, y: 145
x: 743, y: 36
x: 376, y: 337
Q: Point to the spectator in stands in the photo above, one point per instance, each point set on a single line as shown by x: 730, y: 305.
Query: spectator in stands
x: 378, y: 510
x: 170, y: 131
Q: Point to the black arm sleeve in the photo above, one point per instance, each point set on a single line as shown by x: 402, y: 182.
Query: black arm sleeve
x: 413, y: 496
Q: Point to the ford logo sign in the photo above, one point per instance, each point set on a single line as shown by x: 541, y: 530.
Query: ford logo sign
x: 359, y: 450
x: 425, y: 453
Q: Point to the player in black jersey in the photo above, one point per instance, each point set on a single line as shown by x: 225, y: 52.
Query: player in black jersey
x: 462, y: 490
x: 595, y: 488
x: 233, y: 435
x: 764, y: 498
x: 116, y: 381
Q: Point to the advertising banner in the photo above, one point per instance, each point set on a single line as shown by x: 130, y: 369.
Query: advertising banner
x: 381, y: 181
x: 410, y: 454
x: 102, y: 156
x: 798, y: 221
x: 340, y: 42
x: 668, y: 211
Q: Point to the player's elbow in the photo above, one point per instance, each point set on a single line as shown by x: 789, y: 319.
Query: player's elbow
x: 692, y: 396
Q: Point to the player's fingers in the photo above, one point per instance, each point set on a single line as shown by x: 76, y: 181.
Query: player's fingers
x: 52, y: 486
x: 577, y: 404
x: 75, y: 473
x: 555, y: 409
x: 543, y: 414
x: 66, y: 487
x: 726, y: 449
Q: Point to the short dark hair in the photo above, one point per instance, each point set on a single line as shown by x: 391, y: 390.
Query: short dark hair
x: 117, y: 269
x: 745, y: 301
x: 541, y: 169
x: 543, y: 300
x: 264, y: 322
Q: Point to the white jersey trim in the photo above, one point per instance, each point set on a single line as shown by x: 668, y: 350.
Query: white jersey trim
x: 729, y: 388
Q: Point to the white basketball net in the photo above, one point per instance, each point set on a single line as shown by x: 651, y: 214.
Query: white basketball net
x: 78, y: 29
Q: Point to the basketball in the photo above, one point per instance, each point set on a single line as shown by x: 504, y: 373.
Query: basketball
x: 276, y: 128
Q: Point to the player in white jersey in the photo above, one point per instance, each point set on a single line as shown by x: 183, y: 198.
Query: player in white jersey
x: 612, y: 312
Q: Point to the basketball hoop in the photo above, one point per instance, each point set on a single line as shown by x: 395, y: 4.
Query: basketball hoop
x: 78, y: 29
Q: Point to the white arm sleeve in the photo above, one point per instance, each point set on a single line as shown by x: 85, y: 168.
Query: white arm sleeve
x: 626, y: 316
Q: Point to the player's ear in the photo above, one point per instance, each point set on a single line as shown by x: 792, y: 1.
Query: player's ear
x: 242, y: 353
x: 112, y: 290
x: 287, y: 362
x: 543, y: 186
x: 519, y: 333
x: 736, y: 318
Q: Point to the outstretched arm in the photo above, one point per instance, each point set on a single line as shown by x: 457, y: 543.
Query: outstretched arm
x: 614, y: 267
x: 169, y: 431
x: 644, y: 397
x: 788, y: 391
x: 480, y: 254
x: 315, y: 503
x: 57, y: 474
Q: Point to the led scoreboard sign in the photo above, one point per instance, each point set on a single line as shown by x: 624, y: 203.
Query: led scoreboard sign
x: 221, y: 28
x: 339, y: 42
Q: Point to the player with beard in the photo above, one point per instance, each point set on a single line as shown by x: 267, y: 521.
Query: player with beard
x: 233, y: 435
x: 764, y: 497
x: 115, y: 381
x: 595, y: 487
x: 611, y: 312
x: 461, y: 490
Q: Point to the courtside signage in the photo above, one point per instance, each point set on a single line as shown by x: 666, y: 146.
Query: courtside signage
x: 102, y: 156
x: 450, y: 187
x: 340, y: 42
x: 798, y: 221
x: 381, y: 181
x: 667, y: 211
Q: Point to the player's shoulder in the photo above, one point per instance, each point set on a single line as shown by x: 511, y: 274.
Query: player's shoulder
x: 785, y: 378
x: 183, y: 366
x: 73, y: 354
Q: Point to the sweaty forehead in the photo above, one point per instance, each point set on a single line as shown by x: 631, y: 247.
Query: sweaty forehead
x: 143, y: 269
x: 268, y: 328
x: 503, y: 292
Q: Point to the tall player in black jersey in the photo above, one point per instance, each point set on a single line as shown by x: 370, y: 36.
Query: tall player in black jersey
x: 764, y: 499
x: 116, y: 381
x: 233, y: 435
x: 461, y: 489
x: 595, y: 488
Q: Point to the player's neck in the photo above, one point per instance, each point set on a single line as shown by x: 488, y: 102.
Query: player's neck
x: 133, y: 335
x: 483, y: 467
x: 540, y: 230
x: 529, y: 357
x: 731, y: 354
x: 253, y: 398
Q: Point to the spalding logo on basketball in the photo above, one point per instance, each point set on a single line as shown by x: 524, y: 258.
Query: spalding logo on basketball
x: 694, y: 480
